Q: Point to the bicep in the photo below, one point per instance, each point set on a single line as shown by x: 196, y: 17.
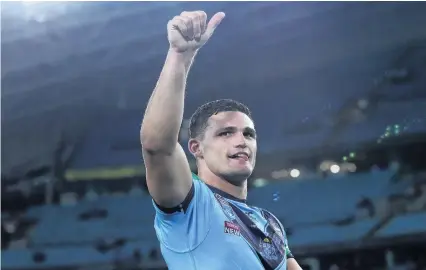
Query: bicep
x: 183, y: 231
x: 293, y: 265
x: 168, y: 176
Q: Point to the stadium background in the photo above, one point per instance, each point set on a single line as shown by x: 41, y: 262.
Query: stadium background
x: 338, y: 95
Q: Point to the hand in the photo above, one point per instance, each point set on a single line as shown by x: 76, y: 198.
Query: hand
x: 189, y: 31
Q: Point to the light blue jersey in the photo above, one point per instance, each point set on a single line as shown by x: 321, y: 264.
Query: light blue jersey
x: 206, y: 233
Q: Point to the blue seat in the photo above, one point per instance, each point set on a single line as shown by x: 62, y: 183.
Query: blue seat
x: 403, y: 225
x: 299, y: 202
x: 71, y: 256
x: 130, y: 217
x: 331, y: 234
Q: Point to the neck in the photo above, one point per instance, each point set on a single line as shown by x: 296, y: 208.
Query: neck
x: 213, y: 180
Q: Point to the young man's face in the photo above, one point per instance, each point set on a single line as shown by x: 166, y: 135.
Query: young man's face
x: 229, y: 146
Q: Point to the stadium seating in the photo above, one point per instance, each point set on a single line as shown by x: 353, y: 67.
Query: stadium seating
x: 129, y: 217
x: 298, y: 203
x: 404, y: 225
x: 331, y: 234
x: 61, y: 257
x: 304, y: 202
x: 69, y: 235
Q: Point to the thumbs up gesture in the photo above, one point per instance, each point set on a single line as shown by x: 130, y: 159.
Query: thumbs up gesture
x: 190, y: 31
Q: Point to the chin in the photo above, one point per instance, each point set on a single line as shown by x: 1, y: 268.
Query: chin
x: 238, y: 176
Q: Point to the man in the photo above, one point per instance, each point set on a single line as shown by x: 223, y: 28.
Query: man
x: 205, y: 223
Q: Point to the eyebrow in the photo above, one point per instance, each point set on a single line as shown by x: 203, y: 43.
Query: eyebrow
x: 233, y: 128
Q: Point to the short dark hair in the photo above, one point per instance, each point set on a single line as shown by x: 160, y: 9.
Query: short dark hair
x: 199, y: 119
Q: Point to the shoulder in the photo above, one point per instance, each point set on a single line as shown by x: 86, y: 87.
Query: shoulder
x: 198, y: 191
x: 184, y: 228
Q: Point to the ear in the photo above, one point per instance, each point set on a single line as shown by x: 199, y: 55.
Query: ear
x: 195, y: 148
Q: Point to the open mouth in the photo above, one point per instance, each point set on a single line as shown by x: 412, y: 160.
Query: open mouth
x: 240, y: 156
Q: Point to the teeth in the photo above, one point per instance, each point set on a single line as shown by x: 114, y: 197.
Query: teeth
x: 239, y: 156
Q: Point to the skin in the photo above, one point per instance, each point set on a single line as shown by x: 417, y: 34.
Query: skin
x: 167, y: 170
x: 227, y: 133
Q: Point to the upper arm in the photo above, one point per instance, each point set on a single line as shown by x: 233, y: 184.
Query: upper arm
x: 184, y: 229
x: 168, y: 176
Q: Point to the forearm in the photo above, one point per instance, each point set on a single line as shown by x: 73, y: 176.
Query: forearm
x: 164, y: 112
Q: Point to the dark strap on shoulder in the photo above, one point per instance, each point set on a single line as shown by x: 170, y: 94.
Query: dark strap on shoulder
x: 181, y: 207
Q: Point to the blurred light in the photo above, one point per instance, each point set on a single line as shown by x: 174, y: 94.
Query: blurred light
x: 294, y: 173
x: 334, y: 168
x: 260, y: 182
x: 280, y: 174
x: 347, y: 166
x: 345, y: 158
x: 352, y: 154
x: 325, y: 165
x: 351, y: 167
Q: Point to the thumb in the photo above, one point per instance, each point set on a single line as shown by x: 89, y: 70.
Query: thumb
x: 213, y: 23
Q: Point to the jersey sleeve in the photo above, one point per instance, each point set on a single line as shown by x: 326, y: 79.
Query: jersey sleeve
x: 183, y: 228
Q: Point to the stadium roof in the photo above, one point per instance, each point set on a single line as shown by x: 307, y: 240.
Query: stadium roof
x: 313, y: 73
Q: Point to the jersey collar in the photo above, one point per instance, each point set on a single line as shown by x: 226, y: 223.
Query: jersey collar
x: 221, y: 192
x: 226, y: 195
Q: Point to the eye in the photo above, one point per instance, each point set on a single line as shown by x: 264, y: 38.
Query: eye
x: 225, y: 134
x: 249, y: 134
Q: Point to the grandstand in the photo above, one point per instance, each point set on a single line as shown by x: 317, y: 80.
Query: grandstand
x: 109, y: 228
x: 343, y: 169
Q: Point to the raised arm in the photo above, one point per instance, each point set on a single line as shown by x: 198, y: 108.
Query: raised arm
x: 167, y: 170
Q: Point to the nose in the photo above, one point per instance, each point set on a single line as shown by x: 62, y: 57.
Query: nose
x: 240, y: 140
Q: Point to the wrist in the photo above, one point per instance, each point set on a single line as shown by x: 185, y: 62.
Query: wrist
x: 186, y: 56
